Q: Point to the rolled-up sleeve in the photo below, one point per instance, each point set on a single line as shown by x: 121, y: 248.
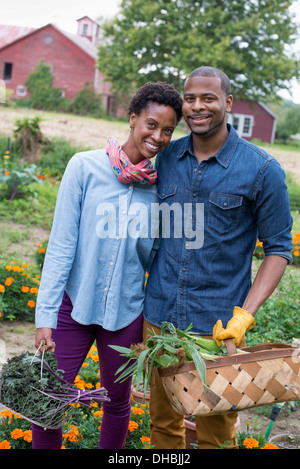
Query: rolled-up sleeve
x: 61, y: 247
x: 273, y: 214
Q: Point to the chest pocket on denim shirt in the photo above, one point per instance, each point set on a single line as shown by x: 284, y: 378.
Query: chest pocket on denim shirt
x: 166, y: 191
x: 223, y: 212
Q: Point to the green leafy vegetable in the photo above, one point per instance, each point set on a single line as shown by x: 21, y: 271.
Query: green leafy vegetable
x: 35, y: 389
x: 170, y: 348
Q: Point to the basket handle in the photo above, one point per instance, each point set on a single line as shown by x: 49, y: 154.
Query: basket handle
x: 230, y: 345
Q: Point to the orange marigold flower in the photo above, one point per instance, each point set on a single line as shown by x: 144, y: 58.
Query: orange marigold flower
x: 250, y: 443
x: 269, y: 446
x: 132, y: 426
x: 5, y: 444
x: 24, y: 289
x: 17, y: 433
x: 42, y: 250
x: 34, y: 290
x: 98, y: 413
x: 31, y: 304
x: 6, y: 413
x: 9, y: 281
x: 137, y: 411
x: 2, y: 288
x: 24, y: 264
x: 27, y: 436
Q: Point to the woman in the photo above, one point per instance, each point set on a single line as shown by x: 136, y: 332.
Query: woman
x: 92, y: 285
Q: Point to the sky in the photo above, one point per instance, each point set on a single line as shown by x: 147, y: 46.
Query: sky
x: 64, y: 13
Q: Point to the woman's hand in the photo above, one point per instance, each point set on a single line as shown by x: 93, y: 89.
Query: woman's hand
x: 44, y: 333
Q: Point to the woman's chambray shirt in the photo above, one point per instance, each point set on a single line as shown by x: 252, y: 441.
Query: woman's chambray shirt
x: 90, y: 253
x: 245, y: 197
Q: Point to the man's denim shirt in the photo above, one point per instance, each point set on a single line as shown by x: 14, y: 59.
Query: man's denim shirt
x: 244, y: 198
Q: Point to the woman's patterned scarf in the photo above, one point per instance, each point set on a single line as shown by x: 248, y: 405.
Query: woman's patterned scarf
x: 125, y: 171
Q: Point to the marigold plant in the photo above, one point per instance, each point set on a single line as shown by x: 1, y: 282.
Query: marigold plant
x: 19, y: 284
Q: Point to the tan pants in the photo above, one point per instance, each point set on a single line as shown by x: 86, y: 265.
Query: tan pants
x: 167, y: 426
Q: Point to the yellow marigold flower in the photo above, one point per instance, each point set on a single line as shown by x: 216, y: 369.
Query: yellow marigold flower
x: 9, y: 281
x: 269, y: 446
x: 5, y: 444
x: 34, y: 290
x: 27, y: 436
x: 98, y: 413
x: 24, y: 289
x: 94, y: 404
x: 31, y: 304
x: 84, y: 365
x: 250, y: 443
x: 17, y: 433
x: 132, y: 426
x: 2, y: 288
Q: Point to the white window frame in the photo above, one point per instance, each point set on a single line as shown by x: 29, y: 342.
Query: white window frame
x: 21, y: 90
x: 241, y: 119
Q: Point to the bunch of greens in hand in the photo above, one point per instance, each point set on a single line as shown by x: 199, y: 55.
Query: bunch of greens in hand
x: 34, y: 388
x: 171, y: 348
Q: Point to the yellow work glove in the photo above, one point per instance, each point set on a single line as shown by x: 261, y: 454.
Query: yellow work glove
x: 236, y: 328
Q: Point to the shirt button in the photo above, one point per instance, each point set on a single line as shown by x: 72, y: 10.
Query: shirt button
x: 111, y: 263
x: 225, y: 204
x: 130, y: 187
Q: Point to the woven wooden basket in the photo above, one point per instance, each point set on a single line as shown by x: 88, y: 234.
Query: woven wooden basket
x: 264, y: 374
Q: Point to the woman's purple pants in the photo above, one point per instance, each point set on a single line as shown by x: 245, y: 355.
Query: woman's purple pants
x: 73, y: 342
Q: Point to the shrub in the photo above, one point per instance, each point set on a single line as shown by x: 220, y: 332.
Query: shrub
x: 42, y: 94
x: 87, y: 102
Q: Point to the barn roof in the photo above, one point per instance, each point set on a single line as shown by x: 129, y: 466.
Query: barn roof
x: 10, y: 34
x: 18, y: 33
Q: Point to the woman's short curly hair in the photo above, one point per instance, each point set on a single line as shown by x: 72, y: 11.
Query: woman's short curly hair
x: 159, y: 92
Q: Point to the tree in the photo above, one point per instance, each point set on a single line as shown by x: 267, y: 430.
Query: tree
x: 290, y: 124
x: 167, y: 39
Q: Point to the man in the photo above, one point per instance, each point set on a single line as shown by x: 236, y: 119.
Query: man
x: 242, y: 191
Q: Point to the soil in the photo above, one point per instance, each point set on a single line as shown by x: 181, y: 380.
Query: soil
x: 17, y: 337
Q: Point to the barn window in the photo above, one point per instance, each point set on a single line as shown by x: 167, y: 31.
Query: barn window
x: 85, y: 29
x: 243, y: 124
x: 21, y: 90
x: 7, y: 71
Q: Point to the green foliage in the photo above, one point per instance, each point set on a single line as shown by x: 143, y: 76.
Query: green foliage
x: 166, y: 40
x: 42, y: 94
x: 55, y: 156
x: 278, y: 318
x: 87, y: 102
x: 16, y: 179
x: 289, y: 125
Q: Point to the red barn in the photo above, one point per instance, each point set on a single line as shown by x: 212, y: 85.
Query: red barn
x: 72, y: 58
x: 253, y: 119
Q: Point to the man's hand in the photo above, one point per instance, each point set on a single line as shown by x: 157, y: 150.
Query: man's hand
x: 44, y: 333
x: 236, y: 328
